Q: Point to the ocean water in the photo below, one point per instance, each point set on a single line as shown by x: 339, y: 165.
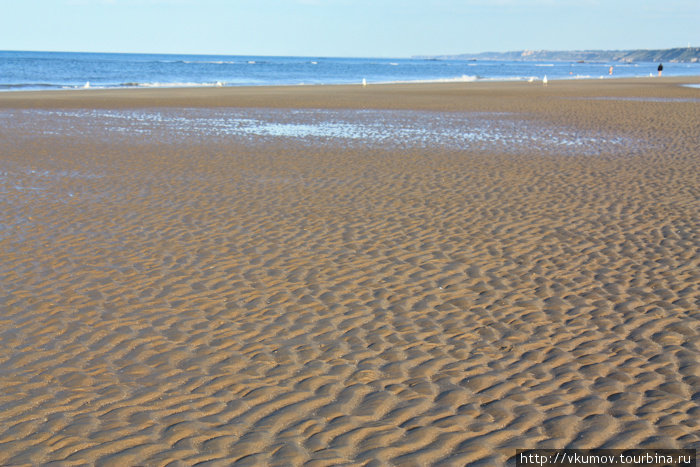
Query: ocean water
x: 71, y: 70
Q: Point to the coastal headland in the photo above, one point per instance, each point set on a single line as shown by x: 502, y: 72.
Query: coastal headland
x: 344, y: 275
x: 675, y: 55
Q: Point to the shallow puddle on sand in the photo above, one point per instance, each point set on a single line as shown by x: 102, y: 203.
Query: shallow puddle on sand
x: 501, y: 132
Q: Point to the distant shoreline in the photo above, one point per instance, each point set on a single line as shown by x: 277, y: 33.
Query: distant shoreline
x: 436, y: 95
x: 674, y: 55
x: 466, y: 80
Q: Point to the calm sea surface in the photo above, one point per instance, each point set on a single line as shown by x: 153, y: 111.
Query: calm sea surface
x: 69, y: 70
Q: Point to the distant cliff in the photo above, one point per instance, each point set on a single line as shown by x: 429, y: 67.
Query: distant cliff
x: 685, y: 54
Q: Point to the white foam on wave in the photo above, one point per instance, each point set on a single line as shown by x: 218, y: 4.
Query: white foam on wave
x: 174, y: 85
x: 456, y: 79
x: 208, y: 62
x: 510, y: 78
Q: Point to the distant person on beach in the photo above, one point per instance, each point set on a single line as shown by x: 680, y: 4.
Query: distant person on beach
x: 660, y: 68
x: 610, y: 70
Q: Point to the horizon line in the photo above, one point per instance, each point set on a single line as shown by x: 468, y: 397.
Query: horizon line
x: 350, y: 56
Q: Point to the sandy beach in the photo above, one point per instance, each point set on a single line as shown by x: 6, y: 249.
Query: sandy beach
x: 425, y: 274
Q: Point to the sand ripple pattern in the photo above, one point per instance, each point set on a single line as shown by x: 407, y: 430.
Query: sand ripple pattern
x: 216, y: 302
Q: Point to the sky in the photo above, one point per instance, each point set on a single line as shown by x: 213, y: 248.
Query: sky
x: 345, y: 28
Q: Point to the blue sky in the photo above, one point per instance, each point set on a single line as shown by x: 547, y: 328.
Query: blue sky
x: 379, y: 28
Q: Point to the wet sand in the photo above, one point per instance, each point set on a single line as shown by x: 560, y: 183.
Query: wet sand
x: 176, y: 292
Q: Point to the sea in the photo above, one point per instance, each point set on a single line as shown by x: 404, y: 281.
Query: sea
x: 23, y: 71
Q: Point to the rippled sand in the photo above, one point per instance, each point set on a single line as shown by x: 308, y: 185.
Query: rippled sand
x: 390, y: 275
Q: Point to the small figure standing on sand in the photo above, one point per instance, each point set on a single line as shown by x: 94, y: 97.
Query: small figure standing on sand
x: 660, y: 68
x: 610, y: 70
